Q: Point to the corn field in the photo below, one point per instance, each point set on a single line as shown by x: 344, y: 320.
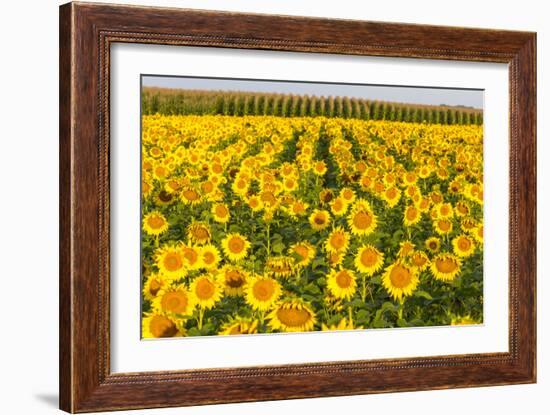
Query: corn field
x: 186, y: 102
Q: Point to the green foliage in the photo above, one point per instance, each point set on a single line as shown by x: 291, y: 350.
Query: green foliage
x: 188, y: 102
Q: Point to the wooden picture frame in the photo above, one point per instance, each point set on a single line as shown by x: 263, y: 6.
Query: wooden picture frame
x: 86, y: 33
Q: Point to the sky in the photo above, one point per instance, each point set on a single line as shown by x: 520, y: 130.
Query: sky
x: 405, y: 94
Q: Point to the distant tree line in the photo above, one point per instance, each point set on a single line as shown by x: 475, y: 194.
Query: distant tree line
x: 186, y: 102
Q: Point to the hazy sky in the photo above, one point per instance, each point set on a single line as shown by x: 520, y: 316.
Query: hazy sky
x: 411, y: 95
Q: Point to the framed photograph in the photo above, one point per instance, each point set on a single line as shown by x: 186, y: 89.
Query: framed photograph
x: 260, y: 207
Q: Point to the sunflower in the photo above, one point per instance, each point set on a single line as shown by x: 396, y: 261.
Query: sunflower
x: 423, y: 204
x: 173, y: 185
x: 240, y: 186
x: 216, y: 168
x: 156, y: 325
x: 366, y: 182
x: 342, y: 283
x: 154, y: 223
x: 174, y: 299
x: 444, y: 210
x: 288, y: 170
x: 191, y: 257
x: 420, y: 260
x: 190, y: 196
x: 368, y: 259
x: 279, y: 266
x: 343, y: 324
x: 262, y: 292
x: 199, y: 233
x: 391, y: 196
x: 412, y: 192
x: 338, y: 206
x: 405, y: 248
x: 239, y: 325
x: 303, y: 253
x: 160, y: 172
x: 155, y: 152
x: 290, y: 184
x: 466, y: 320
x: 163, y: 198
x: 152, y: 285
x: 335, y: 258
x: 209, y: 256
x: 472, y: 191
x: 462, y: 208
x: 206, y: 291
x: 411, y: 216
x: 362, y: 221
x: 254, y: 203
x: 207, y: 188
x: 443, y: 226
x: 400, y: 280
x: 463, y: 246
x: 467, y: 224
x: 409, y: 178
x: 235, y: 246
x: 170, y: 261
x: 146, y: 188
x: 220, y: 212
x: 320, y: 168
x: 347, y: 194
x: 319, y: 219
x: 233, y: 279
x: 298, y: 208
x: 269, y: 200
x: 436, y: 196
x: 424, y: 172
x: 442, y: 174
x: 477, y: 233
x: 337, y: 241
x: 292, y: 315
x: 326, y: 196
x: 389, y: 179
x: 445, y: 267
x: 433, y: 244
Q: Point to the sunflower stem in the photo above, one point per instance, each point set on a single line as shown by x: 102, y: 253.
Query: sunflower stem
x: 298, y: 275
x: 201, y: 316
x: 364, y: 288
x: 261, y: 317
x: 400, y: 311
x: 268, y: 231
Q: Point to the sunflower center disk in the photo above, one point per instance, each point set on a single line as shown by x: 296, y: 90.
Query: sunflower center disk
x: 205, y: 289
x: 175, y: 302
x: 400, y: 276
x: 263, y: 290
x: 362, y: 220
x: 293, y: 317
x: 236, y: 245
x: 368, y: 258
x: 161, y: 326
x: 343, y: 279
x: 446, y: 265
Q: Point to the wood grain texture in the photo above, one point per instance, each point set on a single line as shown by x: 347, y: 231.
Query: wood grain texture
x: 86, y: 33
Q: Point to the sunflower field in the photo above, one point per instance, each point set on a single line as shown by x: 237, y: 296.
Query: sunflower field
x: 267, y: 224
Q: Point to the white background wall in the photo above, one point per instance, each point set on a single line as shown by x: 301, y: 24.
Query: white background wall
x: 29, y: 207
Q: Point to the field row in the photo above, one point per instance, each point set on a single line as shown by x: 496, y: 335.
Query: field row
x: 178, y: 102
